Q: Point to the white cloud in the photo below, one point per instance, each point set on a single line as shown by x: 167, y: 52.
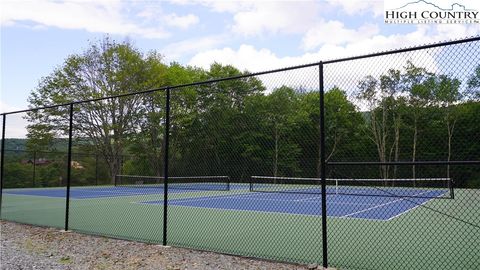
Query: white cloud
x: 251, y: 18
x: 15, y: 125
x: 92, y: 16
x: 247, y: 57
x: 182, y: 22
x: 231, y: 6
x: 334, y: 32
x: 5, y: 107
x: 176, y: 50
x: 253, y: 60
x: 276, y: 17
x: 352, y: 7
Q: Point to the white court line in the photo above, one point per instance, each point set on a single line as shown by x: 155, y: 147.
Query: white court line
x: 242, y: 197
x: 105, y: 191
x: 259, y: 211
x: 268, y: 212
x: 380, y: 205
x: 236, y: 196
x: 318, y: 197
x: 93, y: 196
x: 211, y: 198
x: 306, y: 199
x: 79, y: 190
x: 418, y: 205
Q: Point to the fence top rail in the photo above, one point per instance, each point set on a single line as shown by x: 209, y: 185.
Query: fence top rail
x: 388, y: 52
x: 417, y: 162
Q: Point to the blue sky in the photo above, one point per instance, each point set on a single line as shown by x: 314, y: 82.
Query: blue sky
x: 37, y: 35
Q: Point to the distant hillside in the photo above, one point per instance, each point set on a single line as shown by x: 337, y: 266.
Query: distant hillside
x: 20, y: 144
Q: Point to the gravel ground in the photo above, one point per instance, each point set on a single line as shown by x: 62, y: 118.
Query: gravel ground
x: 29, y: 247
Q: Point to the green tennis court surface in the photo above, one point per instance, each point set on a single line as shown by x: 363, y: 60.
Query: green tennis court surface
x: 223, y: 221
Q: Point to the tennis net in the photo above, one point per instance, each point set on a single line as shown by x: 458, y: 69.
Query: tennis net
x: 175, y: 182
x: 415, y: 188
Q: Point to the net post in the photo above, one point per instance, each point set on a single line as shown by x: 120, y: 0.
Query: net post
x: 165, y: 165
x: 2, y: 159
x: 322, y: 167
x: 450, y: 186
x: 69, y: 167
x: 228, y: 183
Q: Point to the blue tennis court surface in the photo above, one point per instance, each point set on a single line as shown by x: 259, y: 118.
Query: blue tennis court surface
x: 344, y: 206
x: 108, y: 191
x: 89, y: 192
x: 339, y: 205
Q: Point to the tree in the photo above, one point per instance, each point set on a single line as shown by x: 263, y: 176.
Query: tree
x: 446, y: 95
x: 202, y: 120
x: 419, y: 84
x: 473, y: 84
x: 281, y: 114
x: 40, y: 137
x: 267, y: 136
x: 107, y: 68
x: 342, y: 123
x: 390, y: 85
x: 380, y: 99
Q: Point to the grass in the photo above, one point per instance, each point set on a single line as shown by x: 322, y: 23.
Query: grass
x: 424, y: 238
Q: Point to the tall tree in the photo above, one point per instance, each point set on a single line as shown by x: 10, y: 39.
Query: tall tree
x: 148, y: 143
x: 106, y: 68
x: 473, y: 84
x: 281, y: 114
x: 447, y: 94
x: 374, y: 101
x: 201, y: 120
x: 40, y: 137
x: 342, y: 122
x: 390, y: 85
x: 419, y: 84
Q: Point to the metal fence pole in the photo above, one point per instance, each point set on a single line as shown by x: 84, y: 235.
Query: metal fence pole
x: 322, y: 168
x: 34, y: 167
x: 165, y: 166
x: 69, y: 161
x: 2, y: 159
x: 96, y: 169
x: 121, y: 163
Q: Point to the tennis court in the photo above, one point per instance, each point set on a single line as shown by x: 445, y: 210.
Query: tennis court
x: 204, y: 215
x: 274, y: 198
x: 244, y: 154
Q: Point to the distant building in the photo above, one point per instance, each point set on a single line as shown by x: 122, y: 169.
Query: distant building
x: 40, y: 161
x: 44, y: 161
x: 76, y: 165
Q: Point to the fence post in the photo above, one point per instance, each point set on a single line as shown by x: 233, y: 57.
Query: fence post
x: 322, y: 168
x: 96, y: 169
x: 121, y: 163
x: 2, y: 159
x: 34, y: 166
x: 165, y: 166
x: 69, y: 167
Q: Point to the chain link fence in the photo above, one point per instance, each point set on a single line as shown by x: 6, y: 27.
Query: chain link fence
x: 369, y: 162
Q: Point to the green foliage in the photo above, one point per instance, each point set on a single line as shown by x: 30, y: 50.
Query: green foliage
x: 238, y: 127
x: 473, y: 84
